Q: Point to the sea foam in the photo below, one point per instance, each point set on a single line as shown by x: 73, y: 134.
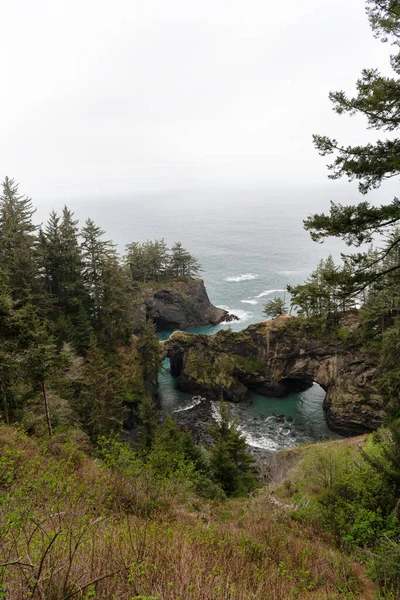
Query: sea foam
x: 268, y: 292
x: 195, y: 401
x: 249, y: 301
x: 245, y: 277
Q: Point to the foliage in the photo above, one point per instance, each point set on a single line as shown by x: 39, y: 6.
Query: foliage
x: 275, y: 307
x: 153, y: 261
x: 231, y: 464
x: 377, y: 99
x: 354, y: 495
x: 112, y: 527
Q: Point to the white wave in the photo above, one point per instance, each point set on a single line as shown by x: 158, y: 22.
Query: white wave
x: 245, y: 277
x: 249, y: 301
x: 260, y: 441
x: 195, y: 401
x: 268, y: 292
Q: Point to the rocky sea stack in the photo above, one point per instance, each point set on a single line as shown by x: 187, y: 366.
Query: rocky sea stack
x: 279, y: 357
x: 182, y: 304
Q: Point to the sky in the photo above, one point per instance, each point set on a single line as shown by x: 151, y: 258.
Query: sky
x: 101, y: 97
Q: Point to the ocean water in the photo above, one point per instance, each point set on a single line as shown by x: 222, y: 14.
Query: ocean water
x: 251, y: 244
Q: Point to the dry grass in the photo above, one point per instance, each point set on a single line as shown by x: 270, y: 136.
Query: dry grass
x: 69, y: 528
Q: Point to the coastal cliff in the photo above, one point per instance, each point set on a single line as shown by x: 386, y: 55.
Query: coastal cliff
x: 181, y: 304
x: 278, y: 357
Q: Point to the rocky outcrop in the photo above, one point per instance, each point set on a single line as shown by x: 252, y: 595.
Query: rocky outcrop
x: 179, y: 305
x: 275, y: 358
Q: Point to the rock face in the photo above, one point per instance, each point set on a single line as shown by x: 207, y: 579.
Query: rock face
x: 275, y: 358
x: 181, y: 305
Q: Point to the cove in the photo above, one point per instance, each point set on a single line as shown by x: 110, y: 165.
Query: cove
x: 267, y: 423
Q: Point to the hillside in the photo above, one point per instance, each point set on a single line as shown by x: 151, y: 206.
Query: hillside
x: 73, y: 527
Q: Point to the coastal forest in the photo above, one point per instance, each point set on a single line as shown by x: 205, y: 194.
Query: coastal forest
x: 105, y: 496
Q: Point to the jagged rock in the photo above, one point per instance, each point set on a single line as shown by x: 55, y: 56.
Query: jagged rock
x: 279, y: 357
x: 179, y: 305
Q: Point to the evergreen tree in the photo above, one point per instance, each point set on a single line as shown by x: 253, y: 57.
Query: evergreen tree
x: 116, y: 316
x: 10, y: 351
x: 18, y: 243
x: 100, y: 405
x: 325, y: 293
x: 62, y: 267
x: 179, y: 442
x: 230, y: 462
x: 96, y: 255
x: 150, y: 354
x: 147, y: 423
x: 182, y: 263
x: 377, y: 99
x: 275, y: 307
x: 41, y: 362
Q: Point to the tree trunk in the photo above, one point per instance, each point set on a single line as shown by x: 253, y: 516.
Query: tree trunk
x: 46, y: 408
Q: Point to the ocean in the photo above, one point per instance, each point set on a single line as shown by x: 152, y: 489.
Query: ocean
x: 251, y: 244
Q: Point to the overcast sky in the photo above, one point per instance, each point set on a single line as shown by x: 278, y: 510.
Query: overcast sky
x: 102, y: 97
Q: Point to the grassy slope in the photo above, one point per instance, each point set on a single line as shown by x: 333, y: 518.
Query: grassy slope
x: 70, y: 528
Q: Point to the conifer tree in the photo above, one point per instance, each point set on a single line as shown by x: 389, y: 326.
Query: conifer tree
x: 96, y: 254
x: 116, y: 318
x: 18, y: 243
x: 182, y: 263
x: 150, y: 354
x: 175, y: 440
x: 275, y: 307
x: 62, y: 267
x: 230, y: 462
x: 101, y: 404
x: 376, y: 99
x: 41, y: 360
x: 147, y: 423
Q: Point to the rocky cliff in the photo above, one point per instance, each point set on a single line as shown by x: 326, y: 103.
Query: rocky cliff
x: 179, y: 305
x: 275, y: 358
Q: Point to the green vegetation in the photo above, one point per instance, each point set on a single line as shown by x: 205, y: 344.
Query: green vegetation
x: 352, y: 491
x: 127, y: 527
x: 275, y: 308
x: 67, y: 316
x: 152, y: 261
x: 230, y: 462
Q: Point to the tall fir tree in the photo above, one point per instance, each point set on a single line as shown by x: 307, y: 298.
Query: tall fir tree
x: 150, y: 355
x: 100, y: 405
x: 230, y: 462
x: 18, y: 243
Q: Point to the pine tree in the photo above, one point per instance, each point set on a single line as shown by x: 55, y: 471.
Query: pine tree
x: 182, y: 263
x: 150, y: 354
x: 18, y: 243
x: 116, y: 317
x: 100, y: 405
x: 147, y: 423
x: 174, y: 440
x: 377, y: 99
x: 230, y: 462
x: 62, y: 268
x: 96, y: 254
x: 41, y: 361
x: 274, y: 308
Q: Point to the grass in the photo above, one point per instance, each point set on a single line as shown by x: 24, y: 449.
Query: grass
x: 72, y: 528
